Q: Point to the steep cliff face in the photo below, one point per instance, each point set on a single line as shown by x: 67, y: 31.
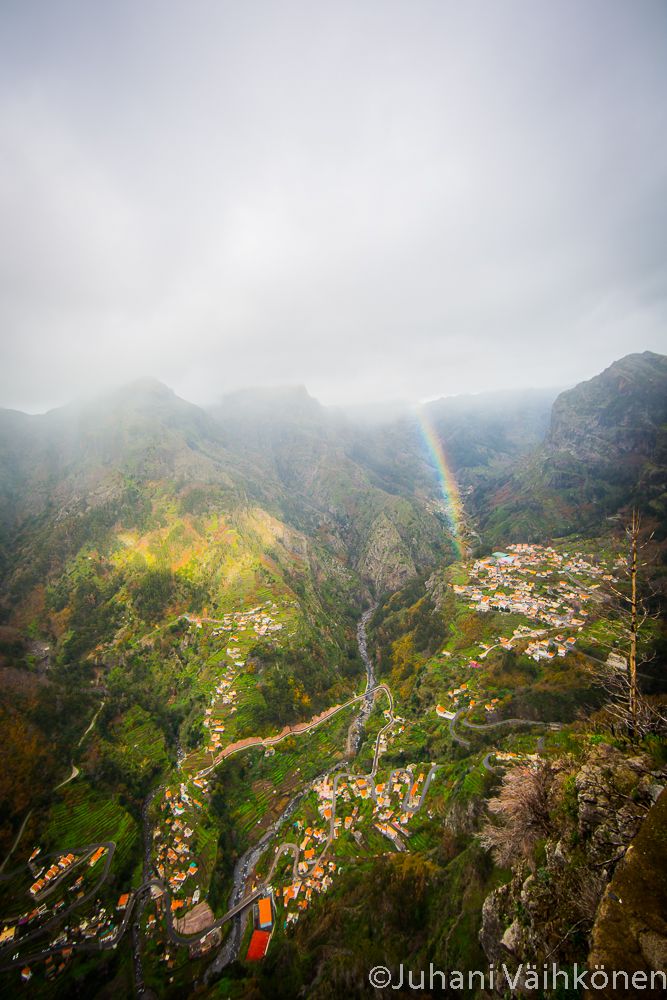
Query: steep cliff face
x: 607, y: 445
x: 113, y: 460
x: 606, y: 449
x: 489, y: 432
x: 618, y: 415
x: 630, y: 930
x: 386, y: 561
x: 364, y: 489
x: 547, y: 912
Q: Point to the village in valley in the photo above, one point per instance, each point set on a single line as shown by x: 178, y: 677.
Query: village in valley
x: 536, y: 602
x: 548, y: 596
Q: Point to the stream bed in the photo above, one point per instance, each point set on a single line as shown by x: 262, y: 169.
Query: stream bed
x: 244, y: 868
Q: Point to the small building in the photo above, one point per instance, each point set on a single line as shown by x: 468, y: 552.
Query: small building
x: 96, y: 856
x: 265, y: 913
x: 259, y: 944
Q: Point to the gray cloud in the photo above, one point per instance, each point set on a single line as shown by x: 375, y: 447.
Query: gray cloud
x: 380, y: 199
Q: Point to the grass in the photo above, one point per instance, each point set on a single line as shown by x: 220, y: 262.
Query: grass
x: 140, y: 741
x: 207, y: 848
x: 13, y: 894
x: 297, y: 760
x: 83, y: 816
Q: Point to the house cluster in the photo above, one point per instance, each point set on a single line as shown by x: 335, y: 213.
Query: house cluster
x: 100, y: 926
x: 535, y: 581
x: 176, y: 861
x: 389, y: 817
x: 48, y: 877
x: 346, y: 789
x: 8, y: 933
x: 552, y: 589
x: 391, y: 820
x: 393, y: 832
x: 53, y: 966
x: 235, y: 653
x: 547, y: 649
x: 300, y: 892
x: 396, y: 729
x: 511, y: 757
x: 462, y: 697
x: 258, y: 619
x: 43, y: 911
x: 224, y: 695
x: 314, y: 838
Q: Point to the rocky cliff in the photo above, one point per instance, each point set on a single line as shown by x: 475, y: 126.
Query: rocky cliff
x: 605, y: 450
x: 554, y: 903
x: 617, y: 416
x: 630, y: 930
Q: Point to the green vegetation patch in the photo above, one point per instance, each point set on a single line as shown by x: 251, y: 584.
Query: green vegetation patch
x: 82, y: 816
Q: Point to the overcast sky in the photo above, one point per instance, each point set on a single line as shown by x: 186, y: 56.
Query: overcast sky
x: 377, y: 199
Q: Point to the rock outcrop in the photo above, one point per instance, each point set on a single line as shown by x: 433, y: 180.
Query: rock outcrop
x: 546, y: 913
x: 386, y: 560
x: 607, y: 436
x: 616, y: 416
x: 630, y: 929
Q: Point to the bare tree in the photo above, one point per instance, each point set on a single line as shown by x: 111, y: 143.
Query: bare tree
x: 522, y: 808
x: 632, y: 532
x: 629, y: 709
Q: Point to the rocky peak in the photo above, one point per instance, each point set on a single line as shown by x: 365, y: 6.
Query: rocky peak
x: 617, y: 414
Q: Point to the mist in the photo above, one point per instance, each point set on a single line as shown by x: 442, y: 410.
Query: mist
x: 380, y: 201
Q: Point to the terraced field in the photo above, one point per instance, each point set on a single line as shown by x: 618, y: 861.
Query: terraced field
x: 81, y: 816
x: 141, y: 742
x: 286, y: 771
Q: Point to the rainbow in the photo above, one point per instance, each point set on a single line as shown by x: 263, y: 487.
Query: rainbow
x: 448, y: 484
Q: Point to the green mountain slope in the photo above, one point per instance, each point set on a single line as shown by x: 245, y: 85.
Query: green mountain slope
x: 363, y: 491
x: 180, y: 592
x: 606, y: 449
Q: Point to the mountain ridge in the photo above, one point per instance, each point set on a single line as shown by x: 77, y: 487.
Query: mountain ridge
x: 178, y: 585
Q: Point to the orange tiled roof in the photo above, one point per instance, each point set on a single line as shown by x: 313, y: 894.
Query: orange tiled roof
x: 265, y: 912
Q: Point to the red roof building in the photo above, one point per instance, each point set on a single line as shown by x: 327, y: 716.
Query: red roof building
x: 259, y: 943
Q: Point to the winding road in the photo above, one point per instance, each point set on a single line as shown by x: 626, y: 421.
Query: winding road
x: 16, y: 840
x: 484, y: 726
x: 151, y: 883
x: 72, y: 775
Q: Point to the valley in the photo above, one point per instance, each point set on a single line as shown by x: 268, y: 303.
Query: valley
x: 516, y: 601
x: 333, y: 500
x: 265, y: 706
